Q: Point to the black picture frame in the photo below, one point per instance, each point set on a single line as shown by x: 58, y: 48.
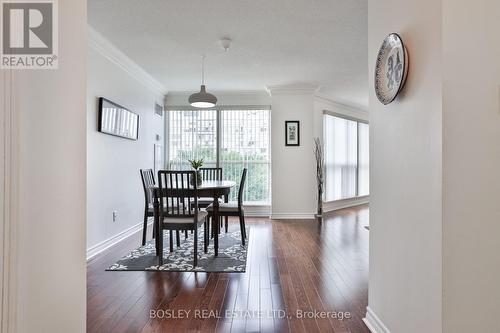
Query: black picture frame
x: 110, y: 123
x: 292, y: 133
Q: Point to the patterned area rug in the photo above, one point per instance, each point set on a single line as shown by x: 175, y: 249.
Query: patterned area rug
x: 232, y: 255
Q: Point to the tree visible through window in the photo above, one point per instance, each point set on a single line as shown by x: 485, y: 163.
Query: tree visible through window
x: 231, y: 139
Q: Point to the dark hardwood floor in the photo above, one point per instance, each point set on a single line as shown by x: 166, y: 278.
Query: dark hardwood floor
x: 292, y: 265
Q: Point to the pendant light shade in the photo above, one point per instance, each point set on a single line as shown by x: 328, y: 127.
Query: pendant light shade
x: 202, y: 99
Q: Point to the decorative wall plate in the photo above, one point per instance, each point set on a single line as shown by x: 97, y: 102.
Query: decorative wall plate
x: 391, y: 68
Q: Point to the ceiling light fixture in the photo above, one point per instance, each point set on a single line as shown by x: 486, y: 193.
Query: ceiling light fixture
x: 202, y: 99
x: 225, y: 42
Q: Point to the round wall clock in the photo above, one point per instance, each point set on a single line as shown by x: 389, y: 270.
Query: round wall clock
x: 391, y: 68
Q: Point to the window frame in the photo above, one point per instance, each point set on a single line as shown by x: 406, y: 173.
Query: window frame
x: 218, y: 143
x: 357, y: 121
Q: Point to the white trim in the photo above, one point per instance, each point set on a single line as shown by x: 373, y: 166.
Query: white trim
x: 296, y: 89
x: 9, y: 141
x: 375, y: 325
x: 343, y: 116
x: 257, y: 211
x: 100, y: 44
x: 349, y: 107
x: 345, y: 203
x: 104, y: 245
x: 292, y: 216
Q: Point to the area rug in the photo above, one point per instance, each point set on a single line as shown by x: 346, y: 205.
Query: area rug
x: 232, y: 255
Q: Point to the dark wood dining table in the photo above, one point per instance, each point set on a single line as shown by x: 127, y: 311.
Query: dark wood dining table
x: 215, y: 189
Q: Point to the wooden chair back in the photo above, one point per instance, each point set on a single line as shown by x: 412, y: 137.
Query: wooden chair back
x: 148, y: 183
x: 177, y: 194
x: 242, y: 186
x: 211, y: 173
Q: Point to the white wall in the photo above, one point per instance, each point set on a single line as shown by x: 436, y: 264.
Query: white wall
x: 471, y: 160
x: 293, y: 168
x: 50, y: 221
x: 405, y: 181
x: 113, y: 163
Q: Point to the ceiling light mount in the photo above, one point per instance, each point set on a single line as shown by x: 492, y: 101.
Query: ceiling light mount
x: 225, y: 42
x: 202, y: 99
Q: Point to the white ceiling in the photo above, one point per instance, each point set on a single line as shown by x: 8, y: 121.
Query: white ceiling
x: 275, y: 42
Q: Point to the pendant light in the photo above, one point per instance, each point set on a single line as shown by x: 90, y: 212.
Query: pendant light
x: 202, y: 99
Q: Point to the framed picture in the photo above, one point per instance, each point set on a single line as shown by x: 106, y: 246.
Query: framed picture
x: 116, y: 120
x: 292, y: 133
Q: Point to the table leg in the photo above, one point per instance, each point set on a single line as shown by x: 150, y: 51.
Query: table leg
x: 215, y: 224
x: 226, y: 200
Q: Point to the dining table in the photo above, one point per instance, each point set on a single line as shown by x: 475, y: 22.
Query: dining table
x: 215, y: 189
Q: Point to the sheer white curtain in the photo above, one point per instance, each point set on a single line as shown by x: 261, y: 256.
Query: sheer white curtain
x: 341, y: 142
x: 364, y: 160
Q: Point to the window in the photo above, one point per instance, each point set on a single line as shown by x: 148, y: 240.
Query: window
x: 231, y: 139
x: 346, y: 158
x: 192, y: 135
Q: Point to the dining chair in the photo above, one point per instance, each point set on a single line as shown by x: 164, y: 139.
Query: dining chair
x: 234, y: 208
x: 212, y: 174
x: 148, y: 184
x: 209, y: 174
x: 176, y: 208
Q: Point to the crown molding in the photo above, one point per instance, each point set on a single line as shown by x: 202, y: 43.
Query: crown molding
x: 350, y: 107
x: 297, y: 89
x: 107, y: 49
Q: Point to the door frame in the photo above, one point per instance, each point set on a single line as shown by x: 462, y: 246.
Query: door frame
x: 9, y: 167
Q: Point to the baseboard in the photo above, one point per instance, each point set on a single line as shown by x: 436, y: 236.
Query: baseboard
x: 373, y: 322
x: 345, y: 203
x: 257, y: 211
x: 293, y: 216
x: 104, y: 245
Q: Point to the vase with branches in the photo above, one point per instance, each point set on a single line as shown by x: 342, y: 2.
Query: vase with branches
x: 196, y: 165
x: 320, y: 174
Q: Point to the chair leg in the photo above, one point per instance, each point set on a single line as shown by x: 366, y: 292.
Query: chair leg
x: 211, y: 219
x: 178, y: 238
x: 242, y: 229
x: 185, y: 234
x: 159, y: 241
x: 205, y: 236
x: 157, y: 244
x: 144, y: 228
x: 171, y: 241
x: 227, y: 222
x: 154, y: 230
x: 195, y: 245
